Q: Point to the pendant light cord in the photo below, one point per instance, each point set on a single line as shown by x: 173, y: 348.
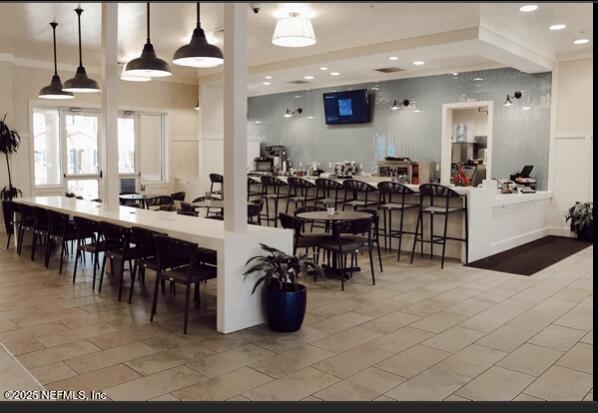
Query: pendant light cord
x: 198, y: 21
x: 148, y: 23
x: 54, y: 24
x: 79, y: 10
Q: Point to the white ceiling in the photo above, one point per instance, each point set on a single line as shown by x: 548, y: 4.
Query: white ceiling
x: 25, y: 33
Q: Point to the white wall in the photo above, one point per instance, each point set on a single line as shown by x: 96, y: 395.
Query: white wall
x: 572, y: 141
x: 176, y: 99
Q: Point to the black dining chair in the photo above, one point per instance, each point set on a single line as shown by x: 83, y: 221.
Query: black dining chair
x: 145, y: 255
x: 41, y: 229
x: 271, y: 190
x: 254, y: 211
x: 61, y: 232
x: 216, y: 185
x: 301, y: 192
x: 438, y: 199
x: 179, y: 262
x: 178, y: 196
x: 158, y: 202
x: 313, y: 208
x: 252, y: 193
x: 117, y: 239
x: 26, y: 224
x: 328, y: 191
x: 185, y: 208
x: 375, y: 231
x: 353, y: 188
x: 89, y: 240
x: 8, y: 212
x: 301, y: 240
x: 394, y: 197
x: 343, y: 246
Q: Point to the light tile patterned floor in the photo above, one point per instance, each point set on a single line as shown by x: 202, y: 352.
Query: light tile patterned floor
x: 421, y: 333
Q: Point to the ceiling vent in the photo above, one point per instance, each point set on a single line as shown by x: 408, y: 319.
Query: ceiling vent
x: 389, y: 70
x: 298, y: 82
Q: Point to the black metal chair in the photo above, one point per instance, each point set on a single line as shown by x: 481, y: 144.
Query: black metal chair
x: 299, y: 192
x: 8, y: 210
x: 89, y: 240
x: 26, y: 224
x: 178, y: 196
x: 216, y: 185
x: 353, y: 188
x: 251, y: 183
x: 328, y: 191
x: 145, y: 255
x: 300, y: 239
x: 41, y: 229
x: 186, y: 208
x: 271, y: 190
x: 61, y: 231
x: 312, y: 208
x: 254, y: 211
x: 343, y: 246
x: 160, y: 201
x: 171, y: 254
x: 117, y: 239
x: 389, y: 191
x: 375, y: 231
x: 444, y: 194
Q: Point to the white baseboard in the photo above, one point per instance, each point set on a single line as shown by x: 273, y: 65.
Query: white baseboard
x: 518, y: 240
x: 561, y: 232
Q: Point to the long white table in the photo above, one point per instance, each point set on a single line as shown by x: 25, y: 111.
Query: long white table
x: 237, y: 308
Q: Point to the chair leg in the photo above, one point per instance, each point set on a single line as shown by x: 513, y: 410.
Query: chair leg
x: 48, y: 252
x: 431, y: 236
x: 102, y: 272
x: 96, y: 264
x: 187, y: 296
x: 385, y: 229
x: 400, y: 234
x: 389, y: 229
x: 62, y: 252
x: 421, y: 239
x: 77, y: 256
x: 379, y: 255
x: 155, y: 300
x: 8, y: 241
x: 121, y: 278
x: 466, y: 234
x: 415, y: 235
x: 133, y: 274
x: 444, y: 240
x: 33, y: 242
x: 197, y: 296
x: 372, y: 267
x: 340, y: 263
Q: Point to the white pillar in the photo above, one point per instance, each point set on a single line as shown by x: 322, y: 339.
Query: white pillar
x: 235, y: 117
x: 110, y: 185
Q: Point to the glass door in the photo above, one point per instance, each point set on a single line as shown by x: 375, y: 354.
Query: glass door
x: 81, y: 136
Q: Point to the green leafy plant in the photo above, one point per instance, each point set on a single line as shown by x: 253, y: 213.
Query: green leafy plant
x: 280, y: 269
x: 9, y: 144
x: 581, y: 216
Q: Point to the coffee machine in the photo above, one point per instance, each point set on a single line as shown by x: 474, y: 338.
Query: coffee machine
x: 278, y: 154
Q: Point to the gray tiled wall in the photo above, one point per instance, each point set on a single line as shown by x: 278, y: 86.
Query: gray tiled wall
x: 520, y: 136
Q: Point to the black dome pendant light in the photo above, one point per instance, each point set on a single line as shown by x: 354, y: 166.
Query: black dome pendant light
x: 148, y: 64
x: 198, y: 53
x: 54, y: 89
x: 81, y: 83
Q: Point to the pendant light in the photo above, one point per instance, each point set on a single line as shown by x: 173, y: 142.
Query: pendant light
x: 131, y: 78
x: 54, y: 90
x: 148, y: 64
x: 294, y: 31
x: 198, y: 53
x: 81, y: 83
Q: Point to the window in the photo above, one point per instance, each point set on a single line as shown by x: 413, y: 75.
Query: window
x: 66, y: 150
x: 46, y: 147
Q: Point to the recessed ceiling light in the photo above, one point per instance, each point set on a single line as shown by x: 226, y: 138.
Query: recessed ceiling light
x: 478, y: 79
x: 258, y: 121
x: 418, y: 63
x: 266, y: 83
x: 268, y: 77
x: 455, y: 73
x: 297, y: 96
x: 310, y: 117
x: 393, y: 58
x: 526, y: 108
x: 335, y: 74
x: 323, y: 68
x: 308, y: 77
x: 528, y: 8
x: 581, y: 39
x: 558, y: 27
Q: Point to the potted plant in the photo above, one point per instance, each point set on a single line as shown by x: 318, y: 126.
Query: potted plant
x: 581, y: 216
x: 285, y: 299
x: 9, y: 143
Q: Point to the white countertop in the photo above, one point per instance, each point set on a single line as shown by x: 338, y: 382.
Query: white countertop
x: 205, y: 231
x: 503, y: 200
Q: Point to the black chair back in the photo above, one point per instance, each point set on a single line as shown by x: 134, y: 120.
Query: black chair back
x: 8, y: 209
x: 271, y: 184
x: 354, y: 227
x: 86, y: 228
x: 216, y: 178
x: 291, y: 222
x: 437, y: 190
x: 41, y: 218
x: 172, y: 252
x: 254, y: 210
x: 159, y: 201
x: 59, y: 223
x: 143, y: 239
x: 187, y: 207
x: 115, y: 236
x: 178, y: 196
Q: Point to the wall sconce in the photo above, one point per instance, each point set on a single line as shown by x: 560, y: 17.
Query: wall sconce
x: 289, y: 113
x: 509, y: 100
x: 196, y: 106
x: 405, y: 104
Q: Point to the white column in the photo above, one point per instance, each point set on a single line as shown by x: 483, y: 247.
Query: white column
x: 235, y: 117
x: 110, y: 185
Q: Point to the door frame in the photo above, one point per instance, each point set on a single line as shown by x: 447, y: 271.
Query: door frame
x: 447, y: 132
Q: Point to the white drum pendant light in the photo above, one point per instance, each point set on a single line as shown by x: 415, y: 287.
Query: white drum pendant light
x: 294, y: 31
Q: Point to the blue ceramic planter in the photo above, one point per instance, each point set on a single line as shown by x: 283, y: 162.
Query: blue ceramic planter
x: 285, y: 310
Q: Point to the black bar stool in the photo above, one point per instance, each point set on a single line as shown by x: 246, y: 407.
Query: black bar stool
x: 299, y: 189
x: 388, y: 191
x: 251, y: 183
x: 328, y: 191
x: 271, y: 191
x: 216, y: 185
x: 353, y: 188
x: 439, y: 192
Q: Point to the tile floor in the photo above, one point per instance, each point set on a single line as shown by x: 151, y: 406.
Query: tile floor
x: 421, y: 333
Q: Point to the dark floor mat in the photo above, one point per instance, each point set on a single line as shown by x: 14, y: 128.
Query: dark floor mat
x: 528, y: 259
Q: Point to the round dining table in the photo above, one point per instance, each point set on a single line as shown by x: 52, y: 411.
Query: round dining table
x: 337, y: 216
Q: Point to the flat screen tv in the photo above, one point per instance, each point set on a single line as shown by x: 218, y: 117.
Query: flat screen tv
x: 352, y: 106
